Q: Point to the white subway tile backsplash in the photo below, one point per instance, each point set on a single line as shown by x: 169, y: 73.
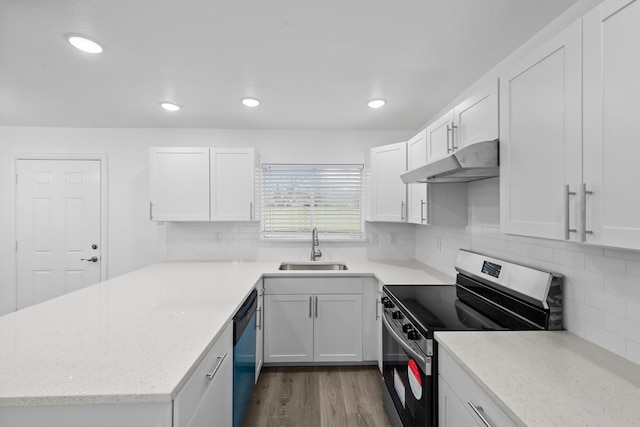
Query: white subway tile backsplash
x: 633, y: 351
x: 633, y: 311
x: 605, y: 265
x: 629, y: 289
x: 570, y: 258
x: 607, y: 303
x: 613, y: 342
x: 633, y: 269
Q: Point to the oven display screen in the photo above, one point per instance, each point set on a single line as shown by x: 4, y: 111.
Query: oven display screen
x: 491, y: 269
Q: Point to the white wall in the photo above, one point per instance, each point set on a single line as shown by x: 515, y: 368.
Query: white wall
x: 134, y: 241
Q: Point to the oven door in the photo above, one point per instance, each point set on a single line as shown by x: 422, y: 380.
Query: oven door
x: 407, y: 376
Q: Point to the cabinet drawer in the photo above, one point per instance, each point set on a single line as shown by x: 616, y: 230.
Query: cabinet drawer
x: 467, y: 390
x: 313, y: 285
x: 188, y: 400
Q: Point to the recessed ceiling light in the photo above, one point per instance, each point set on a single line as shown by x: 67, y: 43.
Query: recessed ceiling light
x: 376, y: 103
x: 84, y: 44
x: 250, y: 102
x: 169, y: 106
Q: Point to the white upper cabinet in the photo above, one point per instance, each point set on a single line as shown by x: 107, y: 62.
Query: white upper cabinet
x: 476, y: 119
x: 540, y: 139
x: 179, y: 184
x: 473, y: 120
x: 417, y: 193
x: 202, y: 184
x: 610, y: 206
x: 388, y: 192
x: 439, y: 137
x: 233, y: 184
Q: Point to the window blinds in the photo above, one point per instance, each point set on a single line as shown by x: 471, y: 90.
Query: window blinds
x: 296, y: 198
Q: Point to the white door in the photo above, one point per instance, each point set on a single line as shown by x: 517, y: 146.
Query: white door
x: 388, y: 192
x: 440, y: 138
x: 233, y: 184
x: 417, y: 193
x: 179, y: 179
x: 541, y: 139
x: 476, y: 119
x: 58, y: 220
x: 610, y: 203
x: 288, y: 334
x: 333, y: 340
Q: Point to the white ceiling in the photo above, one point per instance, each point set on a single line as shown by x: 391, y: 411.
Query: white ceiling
x: 313, y: 64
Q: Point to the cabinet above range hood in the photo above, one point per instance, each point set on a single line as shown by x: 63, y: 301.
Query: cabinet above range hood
x: 471, y: 163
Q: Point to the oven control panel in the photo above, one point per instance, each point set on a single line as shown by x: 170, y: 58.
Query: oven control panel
x: 403, y: 325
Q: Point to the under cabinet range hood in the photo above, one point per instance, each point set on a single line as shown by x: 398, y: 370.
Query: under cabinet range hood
x: 471, y: 163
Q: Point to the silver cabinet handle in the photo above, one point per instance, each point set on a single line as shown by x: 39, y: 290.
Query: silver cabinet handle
x: 251, y: 213
x: 567, y: 230
x: 449, y: 130
x: 316, y: 306
x: 310, y: 298
x: 423, y: 204
x: 583, y: 213
x: 378, y: 303
x: 480, y: 413
x: 401, y: 210
x: 259, y: 318
x: 213, y: 373
x: 453, y: 139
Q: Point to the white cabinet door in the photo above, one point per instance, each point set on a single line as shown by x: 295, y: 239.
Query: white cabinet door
x: 233, y: 184
x: 179, y: 180
x: 206, y: 398
x: 388, y: 192
x: 337, y: 332
x: 439, y: 137
x: 476, y: 119
x: 451, y: 411
x: 288, y: 328
x: 540, y: 134
x: 454, y: 383
x: 417, y: 193
x: 260, y: 330
x: 611, y: 131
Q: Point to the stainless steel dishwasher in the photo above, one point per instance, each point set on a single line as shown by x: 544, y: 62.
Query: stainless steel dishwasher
x: 244, y: 356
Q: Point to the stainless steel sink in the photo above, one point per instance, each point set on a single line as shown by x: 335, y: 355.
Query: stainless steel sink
x: 314, y: 265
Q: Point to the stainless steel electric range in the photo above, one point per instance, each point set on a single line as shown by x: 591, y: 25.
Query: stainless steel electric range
x: 489, y: 294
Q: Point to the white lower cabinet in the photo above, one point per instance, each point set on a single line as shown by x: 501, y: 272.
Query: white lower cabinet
x: 313, y: 320
x: 206, y: 398
x: 461, y: 401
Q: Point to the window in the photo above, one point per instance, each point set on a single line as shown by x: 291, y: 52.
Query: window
x: 296, y: 198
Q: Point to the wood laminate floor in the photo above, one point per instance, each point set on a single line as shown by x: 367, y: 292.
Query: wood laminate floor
x: 319, y: 396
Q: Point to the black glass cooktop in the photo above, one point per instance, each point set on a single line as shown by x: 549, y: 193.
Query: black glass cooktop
x: 437, y: 308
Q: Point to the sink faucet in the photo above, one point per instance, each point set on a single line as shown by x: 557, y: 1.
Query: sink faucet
x: 315, y: 252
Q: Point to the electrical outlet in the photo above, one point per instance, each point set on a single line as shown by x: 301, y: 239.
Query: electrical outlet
x: 393, y: 239
x: 218, y: 237
x: 439, y: 243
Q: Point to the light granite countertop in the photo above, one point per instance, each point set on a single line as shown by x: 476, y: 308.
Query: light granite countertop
x: 549, y: 378
x: 138, y: 337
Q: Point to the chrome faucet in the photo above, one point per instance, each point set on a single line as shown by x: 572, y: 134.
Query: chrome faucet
x: 315, y: 252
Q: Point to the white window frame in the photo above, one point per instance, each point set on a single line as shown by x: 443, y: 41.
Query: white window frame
x: 301, y: 199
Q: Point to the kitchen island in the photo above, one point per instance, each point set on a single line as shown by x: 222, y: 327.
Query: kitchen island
x: 136, y: 338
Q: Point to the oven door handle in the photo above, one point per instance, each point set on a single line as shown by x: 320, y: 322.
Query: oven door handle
x: 425, y: 362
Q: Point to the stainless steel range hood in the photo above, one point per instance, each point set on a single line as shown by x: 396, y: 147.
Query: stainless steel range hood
x: 471, y: 163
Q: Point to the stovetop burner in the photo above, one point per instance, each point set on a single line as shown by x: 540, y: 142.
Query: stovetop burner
x: 436, y: 307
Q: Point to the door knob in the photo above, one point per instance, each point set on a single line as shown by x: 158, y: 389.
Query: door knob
x: 92, y: 259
